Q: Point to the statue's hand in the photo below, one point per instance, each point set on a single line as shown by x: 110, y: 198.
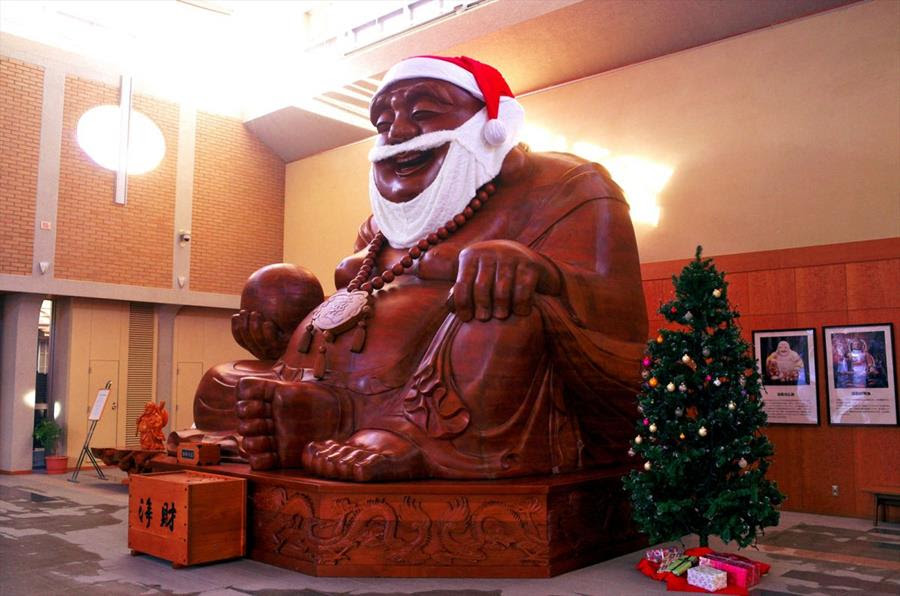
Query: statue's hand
x: 258, y: 335
x: 254, y: 410
x: 497, y: 278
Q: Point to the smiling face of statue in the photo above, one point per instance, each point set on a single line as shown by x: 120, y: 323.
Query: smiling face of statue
x: 405, y: 110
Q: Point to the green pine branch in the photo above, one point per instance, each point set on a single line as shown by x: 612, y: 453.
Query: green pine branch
x: 698, y: 435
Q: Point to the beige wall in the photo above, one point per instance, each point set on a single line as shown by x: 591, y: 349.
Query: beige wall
x: 326, y: 199
x: 784, y: 137
x: 96, y: 350
x: 202, y: 340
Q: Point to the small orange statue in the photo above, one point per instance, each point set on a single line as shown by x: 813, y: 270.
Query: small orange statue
x: 150, y: 425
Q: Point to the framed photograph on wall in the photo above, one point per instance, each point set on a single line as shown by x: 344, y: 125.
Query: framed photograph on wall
x: 862, y: 382
x: 786, y: 359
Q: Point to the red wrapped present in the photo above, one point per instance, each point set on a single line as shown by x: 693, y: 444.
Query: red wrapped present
x: 741, y: 571
x: 676, y: 583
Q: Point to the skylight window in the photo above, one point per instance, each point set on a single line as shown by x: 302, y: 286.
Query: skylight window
x: 346, y: 27
x: 98, y: 135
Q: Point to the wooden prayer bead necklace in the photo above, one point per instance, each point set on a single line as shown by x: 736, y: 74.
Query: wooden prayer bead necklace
x: 350, y: 310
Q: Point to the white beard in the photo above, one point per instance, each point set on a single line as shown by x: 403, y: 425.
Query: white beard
x: 470, y: 162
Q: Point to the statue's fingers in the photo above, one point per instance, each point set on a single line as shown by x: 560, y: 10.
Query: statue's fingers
x: 255, y: 388
x: 239, y: 328
x: 255, y: 427
x: 523, y: 291
x: 270, y: 334
x: 261, y: 444
x: 253, y: 408
x: 483, y: 288
x: 462, y: 290
x: 255, y: 323
x: 503, y: 289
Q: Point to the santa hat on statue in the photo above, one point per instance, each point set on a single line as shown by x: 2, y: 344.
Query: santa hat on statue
x: 483, y: 81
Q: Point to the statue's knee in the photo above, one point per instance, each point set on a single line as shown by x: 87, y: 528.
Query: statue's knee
x: 215, y: 399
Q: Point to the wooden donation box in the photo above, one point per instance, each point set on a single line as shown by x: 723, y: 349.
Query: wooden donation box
x: 187, y: 517
x: 199, y: 454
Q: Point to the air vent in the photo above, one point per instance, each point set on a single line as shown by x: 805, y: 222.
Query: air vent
x: 140, y: 367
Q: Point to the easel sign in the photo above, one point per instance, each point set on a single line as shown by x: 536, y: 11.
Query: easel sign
x: 94, y: 418
x: 100, y: 402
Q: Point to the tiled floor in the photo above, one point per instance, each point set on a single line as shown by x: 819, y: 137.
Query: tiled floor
x: 62, y: 538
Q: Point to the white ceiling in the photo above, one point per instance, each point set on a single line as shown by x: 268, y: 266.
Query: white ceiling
x: 540, y: 44
x: 247, y: 57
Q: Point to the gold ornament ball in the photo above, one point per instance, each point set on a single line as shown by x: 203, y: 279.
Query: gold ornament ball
x: 686, y: 359
x: 638, y: 440
x: 670, y: 387
x: 731, y: 405
x: 702, y: 431
x: 653, y: 382
x: 652, y: 428
x: 681, y: 436
x: 647, y: 466
x: 659, y: 339
x: 717, y: 293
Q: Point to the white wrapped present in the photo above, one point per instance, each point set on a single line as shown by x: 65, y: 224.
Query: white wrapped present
x: 708, y: 578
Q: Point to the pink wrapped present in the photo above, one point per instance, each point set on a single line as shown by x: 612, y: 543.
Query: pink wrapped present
x: 708, y: 578
x: 741, y: 571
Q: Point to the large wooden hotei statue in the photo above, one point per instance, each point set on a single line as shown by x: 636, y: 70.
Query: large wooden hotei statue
x: 489, y: 323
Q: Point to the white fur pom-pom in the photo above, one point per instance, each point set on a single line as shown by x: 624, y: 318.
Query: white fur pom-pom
x: 494, y: 132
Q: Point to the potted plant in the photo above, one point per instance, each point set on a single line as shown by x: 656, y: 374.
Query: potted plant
x: 47, y: 434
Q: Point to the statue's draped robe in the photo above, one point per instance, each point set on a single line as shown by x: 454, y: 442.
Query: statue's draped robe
x: 583, y: 346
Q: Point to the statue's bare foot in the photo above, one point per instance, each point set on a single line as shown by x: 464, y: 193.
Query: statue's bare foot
x: 277, y: 419
x: 367, y: 455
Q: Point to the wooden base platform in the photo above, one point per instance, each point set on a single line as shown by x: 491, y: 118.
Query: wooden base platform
x: 525, y: 527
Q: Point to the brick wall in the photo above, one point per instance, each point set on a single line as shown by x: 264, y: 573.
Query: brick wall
x: 21, y: 93
x: 839, y: 284
x: 238, y: 207
x: 98, y: 240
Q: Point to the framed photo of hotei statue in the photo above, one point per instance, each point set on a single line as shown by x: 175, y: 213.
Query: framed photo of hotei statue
x: 786, y: 359
x: 862, y: 382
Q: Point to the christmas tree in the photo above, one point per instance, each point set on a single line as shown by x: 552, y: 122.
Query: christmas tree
x: 698, y: 434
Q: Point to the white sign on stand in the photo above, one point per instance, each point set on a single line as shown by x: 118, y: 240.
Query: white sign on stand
x: 94, y: 417
x: 99, y: 404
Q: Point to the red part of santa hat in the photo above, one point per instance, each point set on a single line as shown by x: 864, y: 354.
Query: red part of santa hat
x: 481, y: 80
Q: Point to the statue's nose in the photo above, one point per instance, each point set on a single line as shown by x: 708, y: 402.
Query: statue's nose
x: 402, y: 129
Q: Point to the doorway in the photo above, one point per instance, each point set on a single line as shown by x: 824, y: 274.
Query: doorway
x: 42, y: 377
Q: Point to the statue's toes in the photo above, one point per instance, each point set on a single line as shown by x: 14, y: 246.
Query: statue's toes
x: 313, y: 453
x: 371, y: 466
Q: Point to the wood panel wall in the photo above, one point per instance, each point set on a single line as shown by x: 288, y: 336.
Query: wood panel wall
x: 837, y: 284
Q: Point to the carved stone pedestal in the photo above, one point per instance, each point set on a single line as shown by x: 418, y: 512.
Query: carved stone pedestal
x: 526, y: 527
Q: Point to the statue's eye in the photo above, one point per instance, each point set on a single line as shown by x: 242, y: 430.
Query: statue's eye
x: 419, y: 115
x: 382, y: 126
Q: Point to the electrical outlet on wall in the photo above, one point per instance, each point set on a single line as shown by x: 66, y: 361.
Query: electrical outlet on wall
x: 834, y: 490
